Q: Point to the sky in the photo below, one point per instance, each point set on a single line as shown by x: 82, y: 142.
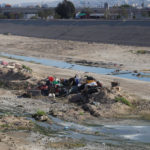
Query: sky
x: 111, y: 2
x: 23, y: 1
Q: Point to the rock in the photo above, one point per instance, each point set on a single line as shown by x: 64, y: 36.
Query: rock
x: 41, y: 118
x: 59, y: 113
x: 77, y: 98
x: 19, y: 105
x: 91, y: 109
x: 135, y: 71
x: 117, y: 88
x: 53, y: 113
x: 114, y: 84
x: 138, y: 75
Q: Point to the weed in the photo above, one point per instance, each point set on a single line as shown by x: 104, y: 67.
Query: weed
x: 27, y: 68
x: 141, y: 52
x: 145, y: 116
x: 40, y: 113
x: 2, y: 84
x: 123, y: 100
x: 4, y: 126
x: 66, y: 144
x: 34, y: 62
x: 81, y: 113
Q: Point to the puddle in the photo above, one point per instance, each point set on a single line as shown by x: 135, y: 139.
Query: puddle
x: 97, y: 70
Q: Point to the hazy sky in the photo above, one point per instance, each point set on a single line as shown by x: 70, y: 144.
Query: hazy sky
x: 44, y: 1
x: 23, y: 1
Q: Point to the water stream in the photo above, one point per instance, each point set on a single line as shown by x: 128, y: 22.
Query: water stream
x: 135, y: 133
x: 98, y: 70
x: 109, y: 134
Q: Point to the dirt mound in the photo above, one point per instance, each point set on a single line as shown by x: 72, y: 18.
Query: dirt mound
x: 14, y: 74
x: 103, y: 103
x: 103, y: 96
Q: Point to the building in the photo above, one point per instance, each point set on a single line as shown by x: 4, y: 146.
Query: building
x: 7, y: 6
x: 29, y: 16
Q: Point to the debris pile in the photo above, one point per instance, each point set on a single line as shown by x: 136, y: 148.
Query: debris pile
x: 85, y: 92
x: 54, y: 87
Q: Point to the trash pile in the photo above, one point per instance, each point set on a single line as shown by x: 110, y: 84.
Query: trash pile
x: 54, y: 87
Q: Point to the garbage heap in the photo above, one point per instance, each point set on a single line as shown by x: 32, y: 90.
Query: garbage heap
x: 54, y: 87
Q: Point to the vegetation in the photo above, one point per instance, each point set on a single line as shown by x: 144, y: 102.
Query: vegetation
x: 2, y: 16
x: 40, y: 113
x: 69, y: 144
x: 9, y: 15
x: 34, y: 17
x: 145, y: 116
x: 141, y: 52
x: 65, y: 9
x: 123, y: 100
x: 125, y: 6
x: 81, y: 113
x: 42, y: 130
x: 44, y: 13
x: 27, y: 68
x: 123, y: 12
x: 149, y: 13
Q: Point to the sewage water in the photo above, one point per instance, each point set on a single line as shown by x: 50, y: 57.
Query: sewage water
x: 117, y: 135
x: 61, y: 64
x: 109, y: 134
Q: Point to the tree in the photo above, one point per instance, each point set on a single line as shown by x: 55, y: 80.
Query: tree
x: 44, y: 13
x: 125, y: 6
x: 65, y: 9
x: 11, y: 15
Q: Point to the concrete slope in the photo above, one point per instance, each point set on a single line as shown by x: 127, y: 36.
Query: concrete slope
x: 117, y: 32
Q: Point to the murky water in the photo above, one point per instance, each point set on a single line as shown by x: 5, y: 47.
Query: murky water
x: 98, y: 70
x: 109, y: 134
